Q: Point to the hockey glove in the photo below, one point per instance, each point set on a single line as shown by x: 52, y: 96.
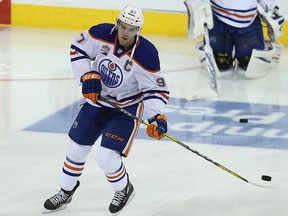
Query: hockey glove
x: 91, y: 85
x: 267, y: 5
x: 157, y: 127
x: 199, y: 16
x: 274, y: 21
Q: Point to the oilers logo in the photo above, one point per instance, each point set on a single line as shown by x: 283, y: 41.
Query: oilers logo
x: 111, y: 73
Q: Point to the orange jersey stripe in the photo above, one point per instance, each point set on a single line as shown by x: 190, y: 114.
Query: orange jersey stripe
x: 128, y: 102
x: 129, y: 144
x: 74, y: 53
x: 232, y: 14
x: 164, y: 95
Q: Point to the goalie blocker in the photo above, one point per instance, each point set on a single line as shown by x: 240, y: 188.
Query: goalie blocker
x: 199, y: 16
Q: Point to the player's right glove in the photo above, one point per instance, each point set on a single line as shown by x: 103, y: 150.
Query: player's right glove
x: 157, y: 127
x: 91, y: 85
x: 199, y: 16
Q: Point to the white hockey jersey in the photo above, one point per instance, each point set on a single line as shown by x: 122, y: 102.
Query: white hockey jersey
x: 240, y: 13
x: 124, y: 81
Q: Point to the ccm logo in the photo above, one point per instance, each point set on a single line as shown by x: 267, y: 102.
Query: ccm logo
x: 112, y: 136
x: 91, y: 76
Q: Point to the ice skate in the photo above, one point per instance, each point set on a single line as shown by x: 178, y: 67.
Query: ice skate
x: 121, y: 199
x: 59, y: 201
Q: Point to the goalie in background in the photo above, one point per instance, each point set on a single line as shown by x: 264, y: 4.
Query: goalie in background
x: 236, y: 34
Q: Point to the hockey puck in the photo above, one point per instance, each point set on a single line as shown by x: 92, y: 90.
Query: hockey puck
x: 266, y: 178
x: 243, y: 120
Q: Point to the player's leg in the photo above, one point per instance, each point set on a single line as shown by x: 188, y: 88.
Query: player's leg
x: 246, y: 40
x: 222, y: 46
x: 71, y: 171
x: 117, y: 140
x: 83, y: 134
x: 262, y: 61
x: 111, y: 163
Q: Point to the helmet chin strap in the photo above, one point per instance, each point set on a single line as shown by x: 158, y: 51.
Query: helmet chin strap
x: 134, y: 47
x: 137, y: 38
x: 115, y: 27
x: 133, y: 16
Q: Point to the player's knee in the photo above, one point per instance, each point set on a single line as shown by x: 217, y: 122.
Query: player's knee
x: 243, y: 62
x: 108, y: 160
x: 78, y: 153
x: 224, y: 61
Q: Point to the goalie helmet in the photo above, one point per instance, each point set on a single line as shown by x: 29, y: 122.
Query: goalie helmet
x: 132, y: 16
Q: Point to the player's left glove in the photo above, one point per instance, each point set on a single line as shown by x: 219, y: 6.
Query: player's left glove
x: 91, y: 85
x: 157, y: 127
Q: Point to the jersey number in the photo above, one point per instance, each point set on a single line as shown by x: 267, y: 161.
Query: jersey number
x: 80, y: 39
x: 161, y: 82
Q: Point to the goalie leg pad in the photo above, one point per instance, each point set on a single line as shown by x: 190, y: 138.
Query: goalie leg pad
x: 263, y: 60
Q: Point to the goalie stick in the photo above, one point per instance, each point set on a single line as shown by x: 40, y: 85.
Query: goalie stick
x: 183, y: 145
x: 200, y: 94
x: 211, y: 64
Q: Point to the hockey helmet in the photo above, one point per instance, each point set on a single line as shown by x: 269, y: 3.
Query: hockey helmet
x: 132, y: 16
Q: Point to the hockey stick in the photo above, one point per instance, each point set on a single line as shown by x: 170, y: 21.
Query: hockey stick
x: 211, y: 64
x: 183, y: 144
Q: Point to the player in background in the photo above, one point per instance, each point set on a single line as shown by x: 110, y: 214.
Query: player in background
x: 236, y: 35
x: 115, y: 61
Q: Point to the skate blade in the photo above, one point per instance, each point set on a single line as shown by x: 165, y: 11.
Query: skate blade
x: 47, y: 211
x: 130, y: 198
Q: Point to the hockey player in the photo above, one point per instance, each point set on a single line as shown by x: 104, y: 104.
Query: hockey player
x: 236, y: 35
x: 115, y: 61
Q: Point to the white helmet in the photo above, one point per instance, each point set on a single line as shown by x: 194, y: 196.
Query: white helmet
x: 132, y: 16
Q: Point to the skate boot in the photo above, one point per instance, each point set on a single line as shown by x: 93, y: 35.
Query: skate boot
x: 121, y: 199
x: 60, y: 200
